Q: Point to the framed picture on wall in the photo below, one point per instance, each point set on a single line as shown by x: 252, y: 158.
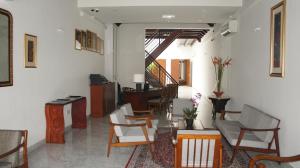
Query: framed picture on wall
x: 98, y: 49
x: 83, y: 40
x: 101, y: 47
x: 89, y: 40
x: 277, y: 40
x: 94, y: 42
x: 30, y: 51
x: 78, y: 39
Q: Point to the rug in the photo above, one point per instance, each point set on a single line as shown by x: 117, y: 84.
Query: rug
x: 164, y: 155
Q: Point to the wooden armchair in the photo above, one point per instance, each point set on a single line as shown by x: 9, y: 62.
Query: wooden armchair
x: 11, y: 142
x: 254, y: 131
x: 160, y: 104
x: 198, y: 149
x: 128, y: 134
x: 134, y: 117
x: 252, y: 163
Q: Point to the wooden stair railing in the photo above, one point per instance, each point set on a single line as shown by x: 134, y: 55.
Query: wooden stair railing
x: 156, y: 72
x: 151, y: 38
x: 162, y: 46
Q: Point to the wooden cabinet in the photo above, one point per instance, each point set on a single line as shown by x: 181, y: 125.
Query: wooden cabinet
x: 62, y: 113
x: 102, y: 99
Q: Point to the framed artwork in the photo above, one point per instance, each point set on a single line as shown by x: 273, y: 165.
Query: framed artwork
x: 277, y: 40
x: 83, y: 40
x: 94, y: 42
x: 78, y: 39
x: 101, y: 47
x: 88, y: 40
x: 30, y: 51
x: 98, y: 48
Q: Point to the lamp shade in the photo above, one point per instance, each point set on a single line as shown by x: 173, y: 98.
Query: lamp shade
x: 138, y: 78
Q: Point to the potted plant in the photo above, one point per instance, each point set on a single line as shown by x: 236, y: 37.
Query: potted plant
x: 220, y: 65
x: 189, y: 116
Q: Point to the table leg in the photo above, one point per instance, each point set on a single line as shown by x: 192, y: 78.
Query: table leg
x: 222, y: 117
x: 214, y: 114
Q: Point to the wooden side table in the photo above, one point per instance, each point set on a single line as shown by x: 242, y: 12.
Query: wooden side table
x: 219, y: 106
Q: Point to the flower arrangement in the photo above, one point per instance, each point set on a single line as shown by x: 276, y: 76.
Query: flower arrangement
x: 196, y: 99
x: 220, y: 65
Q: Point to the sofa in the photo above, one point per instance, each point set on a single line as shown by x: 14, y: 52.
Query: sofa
x: 254, y: 131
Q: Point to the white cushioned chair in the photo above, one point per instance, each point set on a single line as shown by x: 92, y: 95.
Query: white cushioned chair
x: 198, y: 148
x: 128, y: 134
x: 255, y: 130
x: 141, y: 117
x: 11, y: 142
x: 178, y: 105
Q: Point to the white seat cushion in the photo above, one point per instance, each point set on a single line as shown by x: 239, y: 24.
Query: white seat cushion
x: 117, y: 117
x: 127, y: 110
x: 231, y: 131
x: 136, y: 134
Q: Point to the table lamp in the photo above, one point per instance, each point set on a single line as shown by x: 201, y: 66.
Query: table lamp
x: 138, y: 79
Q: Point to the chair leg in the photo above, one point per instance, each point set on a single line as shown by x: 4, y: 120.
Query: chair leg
x: 110, y: 138
x: 234, y: 153
x: 236, y: 147
x: 277, y: 143
x: 151, y: 148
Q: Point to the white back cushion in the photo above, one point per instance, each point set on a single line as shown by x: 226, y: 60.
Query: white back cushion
x: 254, y: 118
x: 188, y: 146
x: 180, y: 104
x: 118, y: 117
x: 127, y: 109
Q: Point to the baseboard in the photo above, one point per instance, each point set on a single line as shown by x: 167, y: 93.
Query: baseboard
x: 42, y: 142
x: 36, y: 146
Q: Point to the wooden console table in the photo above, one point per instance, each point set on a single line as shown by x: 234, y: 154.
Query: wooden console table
x: 138, y: 99
x: 56, y: 114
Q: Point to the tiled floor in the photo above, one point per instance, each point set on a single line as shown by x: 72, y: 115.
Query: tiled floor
x: 83, y: 149
x: 87, y: 148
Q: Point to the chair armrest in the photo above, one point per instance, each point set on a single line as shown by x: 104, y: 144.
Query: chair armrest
x: 259, y: 130
x: 129, y: 125
x: 272, y: 158
x: 234, y: 112
x: 129, y: 117
x: 11, y: 151
x: 143, y: 111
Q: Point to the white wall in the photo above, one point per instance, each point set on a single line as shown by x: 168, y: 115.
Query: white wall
x: 250, y: 81
x: 204, y: 78
x: 177, y: 51
x: 131, y: 49
x: 61, y: 70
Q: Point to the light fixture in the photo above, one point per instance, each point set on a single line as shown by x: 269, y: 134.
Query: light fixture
x: 60, y: 30
x: 168, y: 16
x: 94, y: 10
x: 138, y: 79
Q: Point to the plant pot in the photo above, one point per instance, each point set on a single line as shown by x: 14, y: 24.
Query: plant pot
x: 189, y: 124
x: 218, y: 93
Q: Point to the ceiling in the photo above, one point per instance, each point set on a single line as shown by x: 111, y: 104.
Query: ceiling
x: 145, y: 11
x: 154, y: 14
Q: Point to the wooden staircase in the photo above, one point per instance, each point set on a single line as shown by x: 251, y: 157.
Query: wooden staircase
x: 156, y: 75
x: 161, y: 45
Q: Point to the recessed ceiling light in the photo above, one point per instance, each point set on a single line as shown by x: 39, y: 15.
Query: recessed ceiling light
x: 168, y: 16
x: 95, y: 10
